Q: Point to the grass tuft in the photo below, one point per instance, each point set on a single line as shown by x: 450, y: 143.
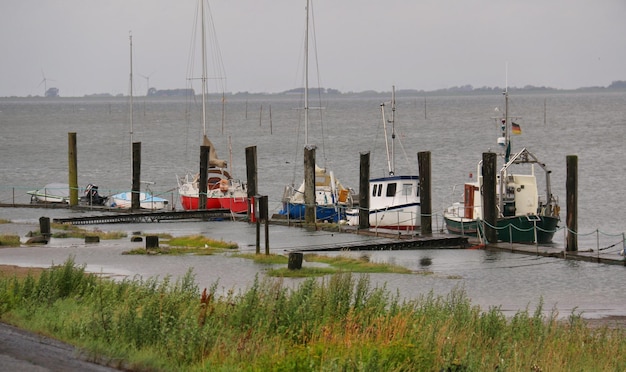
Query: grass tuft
x: 200, y: 241
x: 8, y: 240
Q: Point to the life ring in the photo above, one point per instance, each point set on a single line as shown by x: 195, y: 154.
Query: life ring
x: 223, y: 185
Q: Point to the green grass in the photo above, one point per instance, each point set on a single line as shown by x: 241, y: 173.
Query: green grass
x: 9, y: 240
x: 200, y: 241
x: 359, y: 265
x: 192, y: 244
x: 335, y: 323
x: 332, y: 264
x: 72, y: 231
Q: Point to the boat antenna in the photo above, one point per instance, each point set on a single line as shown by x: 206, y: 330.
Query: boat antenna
x: 382, y: 112
x: 505, y: 124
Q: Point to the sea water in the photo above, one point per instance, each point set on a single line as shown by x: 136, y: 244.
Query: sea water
x: 455, y: 129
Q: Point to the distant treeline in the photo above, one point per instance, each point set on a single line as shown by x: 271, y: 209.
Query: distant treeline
x: 463, y: 89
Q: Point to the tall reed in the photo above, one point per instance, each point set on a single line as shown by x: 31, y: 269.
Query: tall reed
x: 340, y: 322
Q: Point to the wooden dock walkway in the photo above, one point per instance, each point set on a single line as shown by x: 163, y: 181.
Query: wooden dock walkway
x: 141, y: 217
x: 392, y: 244
x: 588, y: 255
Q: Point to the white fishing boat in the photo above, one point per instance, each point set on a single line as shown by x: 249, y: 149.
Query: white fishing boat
x: 51, y: 193
x: 123, y: 200
x: 57, y: 192
x: 394, y: 201
x: 223, y: 191
x: 523, y: 215
x: 331, y: 197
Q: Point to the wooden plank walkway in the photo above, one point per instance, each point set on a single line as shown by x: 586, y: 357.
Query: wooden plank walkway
x: 588, y: 255
x: 391, y: 244
x: 142, y: 217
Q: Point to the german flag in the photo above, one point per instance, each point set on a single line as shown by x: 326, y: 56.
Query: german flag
x: 516, y: 129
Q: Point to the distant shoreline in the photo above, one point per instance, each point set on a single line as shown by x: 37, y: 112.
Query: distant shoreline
x: 616, y: 86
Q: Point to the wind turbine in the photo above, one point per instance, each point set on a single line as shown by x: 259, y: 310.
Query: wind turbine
x: 44, y: 81
x: 147, y: 81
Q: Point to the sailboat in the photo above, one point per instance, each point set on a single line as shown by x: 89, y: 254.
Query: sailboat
x: 331, y: 197
x: 523, y: 215
x: 123, y: 200
x: 394, y: 201
x: 223, y: 191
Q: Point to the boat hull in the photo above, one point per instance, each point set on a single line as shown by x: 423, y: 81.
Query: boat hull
x: 146, y: 201
x: 51, y: 193
x: 192, y: 203
x: 401, y: 218
x: 517, y: 229
x: 234, y: 204
x: 330, y: 213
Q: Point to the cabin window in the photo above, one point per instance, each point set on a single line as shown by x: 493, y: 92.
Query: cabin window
x: 391, y: 189
x: 407, y: 189
x: 380, y: 189
x: 374, y: 190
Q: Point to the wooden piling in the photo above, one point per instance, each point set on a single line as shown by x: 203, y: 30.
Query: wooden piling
x: 92, y: 239
x: 571, y: 186
x: 204, y: 176
x: 309, y: 184
x: 136, y: 188
x: 73, y: 168
x: 490, y: 213
x: 264, y: 217
x: 44, y: 227
x: 426, y: 209
x: 252, y: 180
x: 152, y: 241
x: 364, y: 191
x: 257, y: 222
x: 295, y: 260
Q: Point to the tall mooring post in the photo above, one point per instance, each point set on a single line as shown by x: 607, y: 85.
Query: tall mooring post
x: 364, y: 191
x: 490, y: 212
x: 426, y: 209
x: 204, y: 176
x: 73, y: 168
x: 252, y: 180
x: 264, y: 217
x: 136, y: 188
x: 571, y: 186
x: 309, y: 184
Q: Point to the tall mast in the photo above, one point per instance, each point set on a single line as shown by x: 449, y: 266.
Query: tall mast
x: 306, y: 78
x: 382, y: 112
x: 393, y: 130
x: 204, y: 68
x: 130, y: 37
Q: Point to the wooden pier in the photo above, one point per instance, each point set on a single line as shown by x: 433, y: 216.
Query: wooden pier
x: 142, y: 217
x: 588, y: 255
x: 391, y: 244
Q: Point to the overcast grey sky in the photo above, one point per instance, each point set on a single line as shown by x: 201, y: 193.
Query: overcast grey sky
x: 82, y: 47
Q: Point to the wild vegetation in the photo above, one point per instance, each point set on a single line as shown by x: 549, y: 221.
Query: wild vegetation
x: 338, y: 322
x: 9, y: 240
x: 72, y: 231
x: 193, y: 244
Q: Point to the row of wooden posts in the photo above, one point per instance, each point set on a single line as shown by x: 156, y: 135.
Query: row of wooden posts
x: 424, y: 163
